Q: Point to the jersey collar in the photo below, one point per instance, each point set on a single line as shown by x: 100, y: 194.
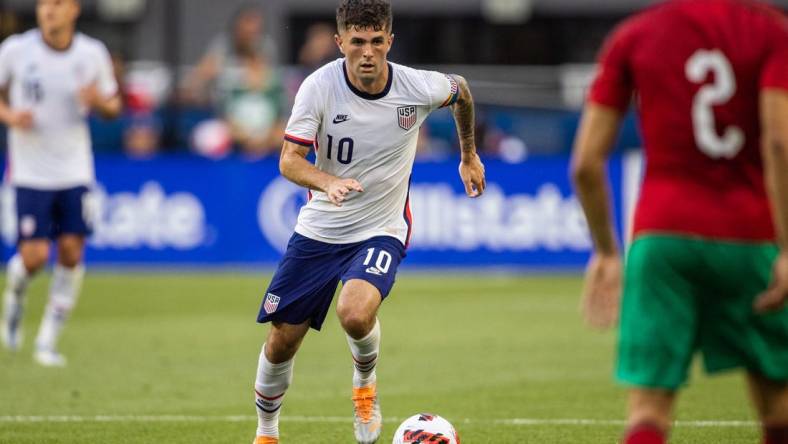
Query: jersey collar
x: 366, y: 95
x: 56, y: 50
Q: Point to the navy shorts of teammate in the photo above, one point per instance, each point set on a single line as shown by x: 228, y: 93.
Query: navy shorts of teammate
x: 305, y: 282
x: 45, y: 214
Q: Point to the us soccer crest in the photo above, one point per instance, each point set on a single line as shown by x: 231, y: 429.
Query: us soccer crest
x: 271, y: 302
x: 406, y: 116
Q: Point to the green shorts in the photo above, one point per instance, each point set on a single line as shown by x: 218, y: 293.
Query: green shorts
x: 685, y: 294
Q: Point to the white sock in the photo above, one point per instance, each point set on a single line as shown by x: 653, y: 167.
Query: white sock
x: 270, y: 386
x: 17, y: 278
x: 63, y: 293
x: 365, y: 356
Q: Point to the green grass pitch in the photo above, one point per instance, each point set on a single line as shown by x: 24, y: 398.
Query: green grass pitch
x: 168, y: 358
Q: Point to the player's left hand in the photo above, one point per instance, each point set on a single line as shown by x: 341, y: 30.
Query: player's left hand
x: 775, y: 297
x: 602, y: 290
x: 89, y: 96
x: 338, y: 190
x: 472, y: 175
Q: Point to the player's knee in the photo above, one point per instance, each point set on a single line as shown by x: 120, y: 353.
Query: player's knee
x: 70, y: 253
x: 34, y: 263
x: 356, y: 323
x: 357, y: 319
x: 34, y: 257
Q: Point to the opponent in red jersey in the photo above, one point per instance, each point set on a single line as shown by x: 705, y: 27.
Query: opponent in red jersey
x: 710, y: 78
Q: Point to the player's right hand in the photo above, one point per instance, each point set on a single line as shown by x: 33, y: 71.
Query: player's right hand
x: 21, y: 119
x: 776, y: 296
x: 602, y: 290
x: 339, y: 189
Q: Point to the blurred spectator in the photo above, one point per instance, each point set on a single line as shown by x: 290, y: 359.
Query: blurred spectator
x: 9, y: 23
x: 492, y: 140
x: 239, y: 76
x: 141, y: 126
x: 319, y: 48
x: 141, y: 138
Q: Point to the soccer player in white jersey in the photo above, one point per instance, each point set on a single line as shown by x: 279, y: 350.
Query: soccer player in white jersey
x: 362, y: 116
x: 52, y: 77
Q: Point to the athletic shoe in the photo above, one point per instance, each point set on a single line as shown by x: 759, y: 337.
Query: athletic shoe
x: 368, y: 420
x: 49, y: 358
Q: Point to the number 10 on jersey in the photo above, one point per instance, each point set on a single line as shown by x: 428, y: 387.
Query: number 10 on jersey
x: 382, y: 263
x: 344, y: 153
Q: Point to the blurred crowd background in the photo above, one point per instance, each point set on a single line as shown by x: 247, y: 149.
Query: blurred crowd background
x: 218, y: 78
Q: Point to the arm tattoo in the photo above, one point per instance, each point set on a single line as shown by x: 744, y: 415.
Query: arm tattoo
x: 463, y: 116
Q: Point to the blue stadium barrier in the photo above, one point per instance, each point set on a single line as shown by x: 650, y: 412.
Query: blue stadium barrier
x: 182, y: 210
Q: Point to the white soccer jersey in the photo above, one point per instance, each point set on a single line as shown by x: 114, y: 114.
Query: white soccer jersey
x: 56, y: 152
x: 370, y: 138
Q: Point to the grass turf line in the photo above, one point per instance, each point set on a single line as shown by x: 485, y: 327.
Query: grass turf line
x: 485, y: 348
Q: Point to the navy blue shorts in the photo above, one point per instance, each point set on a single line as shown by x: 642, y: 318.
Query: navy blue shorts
x: 307, y: 277
x: 45, y: 214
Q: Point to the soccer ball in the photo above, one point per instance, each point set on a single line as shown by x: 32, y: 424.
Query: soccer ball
x: 426, y: 428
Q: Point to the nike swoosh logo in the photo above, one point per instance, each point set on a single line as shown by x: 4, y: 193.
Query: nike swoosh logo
x: 341, y: 119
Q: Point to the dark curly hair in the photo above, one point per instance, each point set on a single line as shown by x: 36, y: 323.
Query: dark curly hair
x: 372, y: 14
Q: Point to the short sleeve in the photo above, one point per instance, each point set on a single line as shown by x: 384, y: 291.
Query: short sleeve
x: 6, y: 57
x: 443, y: 89
x: 107, y: 84
x: 775, y: 68
x: 307, y: 114
x: 613, y: 84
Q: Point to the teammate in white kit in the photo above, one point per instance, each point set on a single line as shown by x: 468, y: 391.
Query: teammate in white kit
x: 52, y: 77
x: 362, y: 116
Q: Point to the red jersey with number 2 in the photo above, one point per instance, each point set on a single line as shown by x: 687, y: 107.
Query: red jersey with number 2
x: 696, y: 68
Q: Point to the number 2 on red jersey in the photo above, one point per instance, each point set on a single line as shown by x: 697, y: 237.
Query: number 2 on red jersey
x: 719, y: 92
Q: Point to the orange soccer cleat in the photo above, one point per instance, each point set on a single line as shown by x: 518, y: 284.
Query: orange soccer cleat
x: 368, y: 419
x: 266, y: 440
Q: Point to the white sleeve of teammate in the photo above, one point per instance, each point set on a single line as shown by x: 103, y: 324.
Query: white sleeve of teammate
x: 6, y: 60
x: 307, y: 114
x: 106, y: 82
x: 442, y: 89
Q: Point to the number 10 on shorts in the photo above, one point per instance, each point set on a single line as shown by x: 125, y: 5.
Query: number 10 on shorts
x: 383, y: 261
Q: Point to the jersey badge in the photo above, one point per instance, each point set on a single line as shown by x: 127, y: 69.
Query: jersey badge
x: 341, y: 118
x: 27, y: 225
x: 271, y: 303
x: 406, y: 116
